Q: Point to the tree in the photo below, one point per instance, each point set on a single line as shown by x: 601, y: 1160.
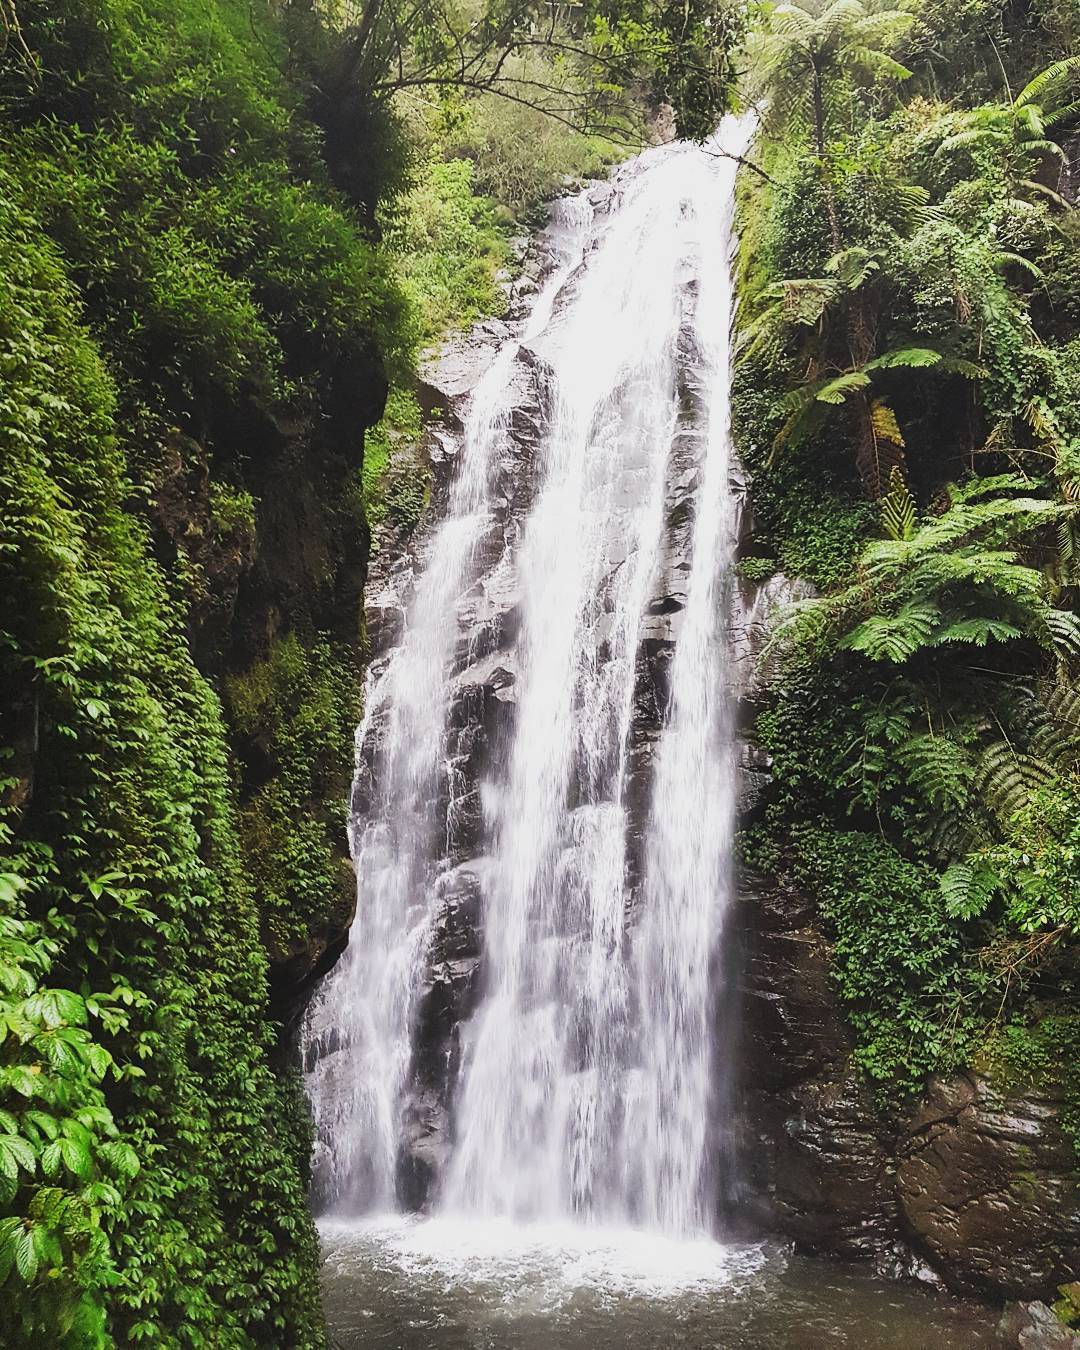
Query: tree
x: 678, y: 52
x: 806, y: 63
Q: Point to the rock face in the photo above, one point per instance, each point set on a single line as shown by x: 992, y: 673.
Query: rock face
x: 981, y: 1186
x: 988, y: 1187
x: 821, y: 1160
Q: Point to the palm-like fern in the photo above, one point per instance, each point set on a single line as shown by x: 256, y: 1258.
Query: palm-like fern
x: 958, y: 578
x: 801, y: 60
x: 1020, y: 131
x: 798, y: 53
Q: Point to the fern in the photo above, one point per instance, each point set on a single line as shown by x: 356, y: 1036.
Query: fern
x: 835, y: 391
x: 976, y: 630
x: 1045, y: 88
x: 904, y: 357
x: 887, y: 428
x: 1054, y: 729
x: 1008, y: 777
x: 967, y: 888
x: 1064, y: 629
x: 895, y: 637
x: 974, y: 488
x: 898, y: 505
x: 854, y: 267
x: 941, y: 769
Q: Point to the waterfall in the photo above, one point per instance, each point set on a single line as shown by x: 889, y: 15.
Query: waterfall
x: 545, y: 765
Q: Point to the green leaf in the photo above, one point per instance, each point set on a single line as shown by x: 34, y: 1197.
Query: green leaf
x: 26, y: 1257
x: 15, y: 1152
x: 905, y: 357
x: 76, y: 1157
x: 978, y: 631
x: 895, y: 637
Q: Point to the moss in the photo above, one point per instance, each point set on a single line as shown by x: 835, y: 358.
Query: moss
x: 294, y: 714
x: 1039, y: 1053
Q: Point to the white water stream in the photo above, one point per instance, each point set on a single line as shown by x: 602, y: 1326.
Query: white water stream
x: 593, y: 1082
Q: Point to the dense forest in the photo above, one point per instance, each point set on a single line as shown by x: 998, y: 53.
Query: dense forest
x: 228, y: 229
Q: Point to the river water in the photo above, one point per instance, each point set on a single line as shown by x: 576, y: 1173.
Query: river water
x: 407, y: 1284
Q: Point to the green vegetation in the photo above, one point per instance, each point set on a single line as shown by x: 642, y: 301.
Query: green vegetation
x: 130, y: 948
x: 226, y: 229
x: 906, y: 398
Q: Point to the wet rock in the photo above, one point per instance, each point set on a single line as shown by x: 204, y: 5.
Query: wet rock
x: 989, y: 1188
x: 819, y: 1156
x: 791, y: 1026
x: 755, y: 775
x: 446, y: 998
x: 831, y: 1183
x: 1033, y: 1326
x: 754, y: 616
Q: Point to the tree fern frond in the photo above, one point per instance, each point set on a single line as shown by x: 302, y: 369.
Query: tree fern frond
x: 887, y: 428
x: 954, y: 834
x: 960, y: 140
x: 957, y: 365
x: 1064, y: 628
x: 1007, y: 778
x: 895, y: 637
x: 995, y: 568
x: 1048, y: 81
x: 836, y: 391
x: 898, y: 505
x: 853, y: 266
x: 879, y: 64
x: 805, y: 299
x: 974, y: 488
x: 1042, y: 190
x: 978, y: 631
x: 906, y: 357
x: 941, y: 769
x: 1056, y: 737
x: 1006, y: 259
x: 968, y: 887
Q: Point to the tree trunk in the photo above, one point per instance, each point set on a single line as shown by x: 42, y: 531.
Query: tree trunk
x: 819, y: 137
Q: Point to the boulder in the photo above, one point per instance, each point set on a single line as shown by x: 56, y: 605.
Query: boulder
x: 989, y: 1188
x: 1033, y: 1326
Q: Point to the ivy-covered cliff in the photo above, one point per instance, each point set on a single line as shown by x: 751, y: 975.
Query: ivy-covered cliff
x: 226, y: 229
x: 195, y: 327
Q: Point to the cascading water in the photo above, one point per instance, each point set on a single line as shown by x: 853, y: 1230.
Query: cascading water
x: 552, y: 735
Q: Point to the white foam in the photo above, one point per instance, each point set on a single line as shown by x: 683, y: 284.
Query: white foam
x: 530, y: 1265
